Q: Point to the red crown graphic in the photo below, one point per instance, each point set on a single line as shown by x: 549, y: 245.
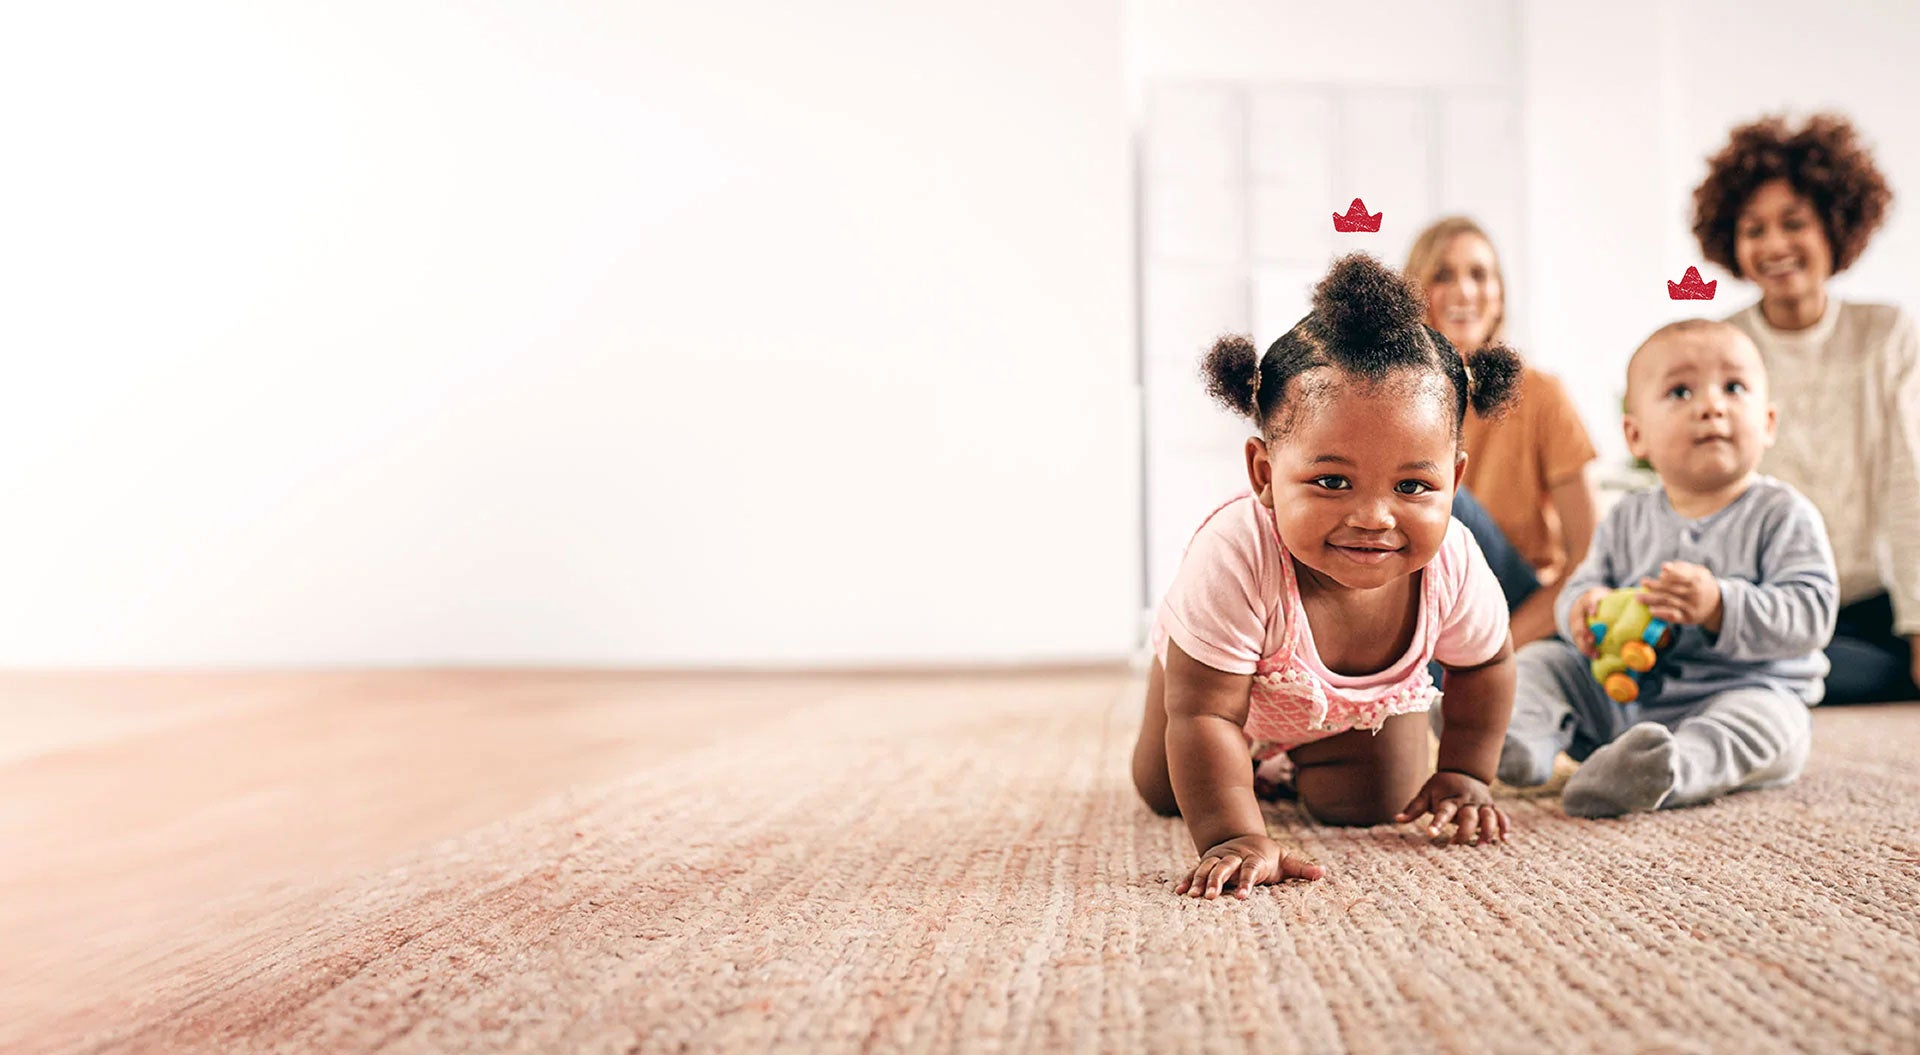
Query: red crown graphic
x: 1691, y: 288
x: 1357, y: 219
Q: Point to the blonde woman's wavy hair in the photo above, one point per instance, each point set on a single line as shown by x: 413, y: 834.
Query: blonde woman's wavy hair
x: 1423, y: 262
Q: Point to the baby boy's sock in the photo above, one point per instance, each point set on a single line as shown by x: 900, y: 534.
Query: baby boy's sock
x: 1632, y: 774
x: 1524, y: 764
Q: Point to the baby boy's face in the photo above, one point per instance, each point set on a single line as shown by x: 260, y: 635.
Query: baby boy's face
x: 1698, y: 409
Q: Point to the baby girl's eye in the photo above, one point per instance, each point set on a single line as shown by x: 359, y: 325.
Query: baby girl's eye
x: 1680, y: 392
x: 1736, y: 388
x: 1413, y: 487
x: 1331, y: 483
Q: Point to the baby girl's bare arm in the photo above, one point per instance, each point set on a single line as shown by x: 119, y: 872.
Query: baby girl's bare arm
x: 1207, y: 758
x: 1476, y: 706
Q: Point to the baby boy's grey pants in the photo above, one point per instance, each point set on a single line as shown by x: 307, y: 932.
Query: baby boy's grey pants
x: 1736, y: 740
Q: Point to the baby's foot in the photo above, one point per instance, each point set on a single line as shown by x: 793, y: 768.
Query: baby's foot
x: 1525, y: 765
x: 1633, y: 774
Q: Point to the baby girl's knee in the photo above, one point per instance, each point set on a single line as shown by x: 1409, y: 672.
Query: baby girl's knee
x: 1157, y: 794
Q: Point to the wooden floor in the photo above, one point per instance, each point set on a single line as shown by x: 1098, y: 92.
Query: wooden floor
x: 129, y: 802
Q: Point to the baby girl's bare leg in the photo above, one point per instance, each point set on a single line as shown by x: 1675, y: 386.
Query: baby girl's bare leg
x: 1150, y: 775
x: 1362, y: 777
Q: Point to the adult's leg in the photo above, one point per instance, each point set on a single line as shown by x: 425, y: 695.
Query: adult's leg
x: 1871, y: 663
x: 1737, y: 740
x: 1150, y: 775
x: 1517, y: 578
x: 1362, y: 777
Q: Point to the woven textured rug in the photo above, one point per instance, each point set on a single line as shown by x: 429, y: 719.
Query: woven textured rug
x: 967, y: 870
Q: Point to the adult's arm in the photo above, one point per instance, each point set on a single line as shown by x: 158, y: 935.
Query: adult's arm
x: 1902, y: 481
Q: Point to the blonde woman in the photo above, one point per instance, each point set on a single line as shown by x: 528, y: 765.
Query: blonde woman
x: 1526, y: 490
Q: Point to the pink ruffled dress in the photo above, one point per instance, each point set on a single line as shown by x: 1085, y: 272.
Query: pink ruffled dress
x: 1235, y: 606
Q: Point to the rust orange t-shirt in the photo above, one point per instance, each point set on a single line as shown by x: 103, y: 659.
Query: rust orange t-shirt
x: 1514, y: 462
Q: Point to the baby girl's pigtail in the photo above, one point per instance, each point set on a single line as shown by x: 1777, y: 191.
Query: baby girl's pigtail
x: 1493, y: 379
x: 1232, y: 369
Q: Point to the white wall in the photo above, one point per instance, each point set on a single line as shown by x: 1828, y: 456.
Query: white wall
x: 1258, y: 122
x: 423, y: 332
x: 1401, y: 43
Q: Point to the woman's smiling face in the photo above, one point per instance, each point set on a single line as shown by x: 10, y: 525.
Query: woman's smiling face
x: 1465, y: 298
x: 1780, y: 244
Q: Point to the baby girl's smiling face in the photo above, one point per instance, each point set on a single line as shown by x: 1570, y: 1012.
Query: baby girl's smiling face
x: 1362, y: 479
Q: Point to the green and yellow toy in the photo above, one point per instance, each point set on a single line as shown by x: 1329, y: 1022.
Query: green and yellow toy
x: 1630, y: 641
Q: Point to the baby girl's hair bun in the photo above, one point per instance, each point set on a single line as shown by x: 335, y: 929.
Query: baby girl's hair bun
x: 1232, y: 370
x: 1362, y: 302
x: 1493, y: 379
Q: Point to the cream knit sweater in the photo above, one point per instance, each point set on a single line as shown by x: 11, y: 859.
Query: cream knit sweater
x: 1848, y: 389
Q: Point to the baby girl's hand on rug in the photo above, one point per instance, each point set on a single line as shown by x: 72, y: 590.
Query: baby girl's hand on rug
x: 1238, y: 865
x: 1579, y: 618
x: 1684, y: 593
x: 1464, y: 800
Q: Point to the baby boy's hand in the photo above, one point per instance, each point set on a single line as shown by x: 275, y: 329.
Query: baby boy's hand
x: 1580, y: 618
x: 1684, y: 593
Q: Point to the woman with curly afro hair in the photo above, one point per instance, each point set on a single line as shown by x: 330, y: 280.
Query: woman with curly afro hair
x: 1787, y: 208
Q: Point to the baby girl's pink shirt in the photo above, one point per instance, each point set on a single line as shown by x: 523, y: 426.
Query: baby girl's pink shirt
x: 1234, y: 605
